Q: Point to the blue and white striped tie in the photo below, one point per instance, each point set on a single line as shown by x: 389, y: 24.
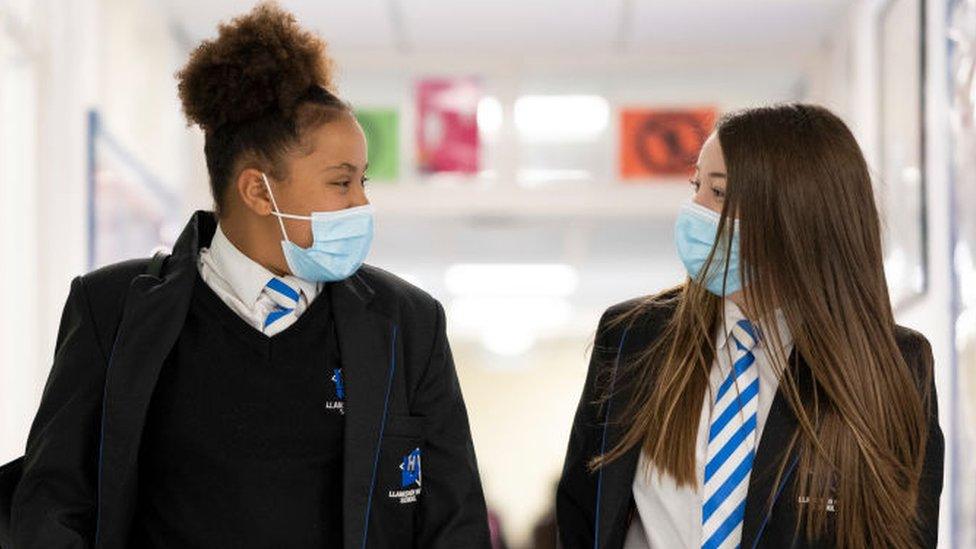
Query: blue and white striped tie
x: 285, y: 298
x: 731, y: 445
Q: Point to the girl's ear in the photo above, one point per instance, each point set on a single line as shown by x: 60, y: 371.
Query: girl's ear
x: 252, y: 189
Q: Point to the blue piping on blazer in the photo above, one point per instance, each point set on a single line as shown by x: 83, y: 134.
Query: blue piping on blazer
x: 379, y: 441
x: 603, y: 449
x: 603, y: 443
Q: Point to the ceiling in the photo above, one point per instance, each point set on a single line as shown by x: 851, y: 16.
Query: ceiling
x: 542, y: 26
x: 616, y: 241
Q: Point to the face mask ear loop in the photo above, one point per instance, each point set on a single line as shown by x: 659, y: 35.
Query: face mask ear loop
x: 275, y: 204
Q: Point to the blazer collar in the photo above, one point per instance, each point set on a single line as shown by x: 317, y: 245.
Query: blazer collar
x: 615, y: 490
x: 153, y: 316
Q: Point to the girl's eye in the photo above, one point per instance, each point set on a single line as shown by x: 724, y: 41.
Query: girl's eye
x: 365, y: 180
x: 719, y: 193
x: 695, y: 184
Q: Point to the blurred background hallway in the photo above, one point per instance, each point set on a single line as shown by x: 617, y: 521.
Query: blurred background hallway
x: 526, y: 154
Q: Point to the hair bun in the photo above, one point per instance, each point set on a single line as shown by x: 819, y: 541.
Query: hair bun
x: 260, y: 63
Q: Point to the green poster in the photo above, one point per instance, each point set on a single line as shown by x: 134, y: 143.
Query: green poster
x: 382, y: 129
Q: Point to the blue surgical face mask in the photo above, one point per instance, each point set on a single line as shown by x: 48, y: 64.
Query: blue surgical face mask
x: 340, y: 242
x: 695, y: 234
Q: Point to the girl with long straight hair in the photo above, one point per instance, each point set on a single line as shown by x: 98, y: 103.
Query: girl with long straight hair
x: 770, y: 400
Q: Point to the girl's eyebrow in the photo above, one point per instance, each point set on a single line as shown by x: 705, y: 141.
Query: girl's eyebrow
x: 711, y: 174
x: 347, y: 166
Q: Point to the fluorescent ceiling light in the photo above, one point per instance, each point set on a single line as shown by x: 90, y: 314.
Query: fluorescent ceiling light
x: 489, y: 115
x: 561, y: 118
x: 514, y: 279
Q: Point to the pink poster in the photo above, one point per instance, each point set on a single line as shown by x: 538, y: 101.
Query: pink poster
x: 447, y: 125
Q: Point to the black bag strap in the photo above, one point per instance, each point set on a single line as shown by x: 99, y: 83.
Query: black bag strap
x: 156, y: 264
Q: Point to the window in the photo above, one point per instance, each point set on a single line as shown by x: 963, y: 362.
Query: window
x: 18, y: 218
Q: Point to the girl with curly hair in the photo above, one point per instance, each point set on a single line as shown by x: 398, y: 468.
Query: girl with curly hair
x: 261, y: 386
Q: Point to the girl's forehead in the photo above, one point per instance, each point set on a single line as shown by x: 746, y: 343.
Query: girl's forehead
x: 711, y: 153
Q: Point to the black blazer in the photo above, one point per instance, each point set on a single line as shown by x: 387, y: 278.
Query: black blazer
x: 595, y: 510
x: 78, y: 485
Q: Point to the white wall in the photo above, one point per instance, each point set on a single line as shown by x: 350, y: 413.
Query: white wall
x: 18, y: 239
x: 47, y: 219
x: 117, y: 56
x: 931, y: 314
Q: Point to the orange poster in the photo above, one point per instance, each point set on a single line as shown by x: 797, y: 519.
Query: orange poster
x: 662, y: 142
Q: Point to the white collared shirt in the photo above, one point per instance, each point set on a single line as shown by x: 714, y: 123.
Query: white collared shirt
x: 669, y: 516
x: 239, y: 282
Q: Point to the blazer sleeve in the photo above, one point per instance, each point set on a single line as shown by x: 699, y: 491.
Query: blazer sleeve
x: 54, y: 505
x: 930, y: 483
x: 453, y: 512
x: 577, y: 489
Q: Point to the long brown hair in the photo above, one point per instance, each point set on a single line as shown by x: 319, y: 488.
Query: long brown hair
x: 810, y: 247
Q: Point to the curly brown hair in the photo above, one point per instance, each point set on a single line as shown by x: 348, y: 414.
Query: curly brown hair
x: 255, y: 91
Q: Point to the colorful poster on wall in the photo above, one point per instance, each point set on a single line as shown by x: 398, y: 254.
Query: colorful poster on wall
x: 662, y: 142
x: 447, y: 125
x: 382, y: 129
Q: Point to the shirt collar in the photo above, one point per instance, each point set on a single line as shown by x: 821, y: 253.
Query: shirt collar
x: 247, y: 277
x: 309, y: 288
x: 734, y: 314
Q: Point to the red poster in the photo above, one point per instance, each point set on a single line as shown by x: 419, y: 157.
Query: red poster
x: 662, y: 142
x: 447, y: 125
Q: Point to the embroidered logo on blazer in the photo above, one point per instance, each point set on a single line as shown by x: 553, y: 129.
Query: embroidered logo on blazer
x: 410, y: 478
x: 829, y: 505
x: 340, y: 392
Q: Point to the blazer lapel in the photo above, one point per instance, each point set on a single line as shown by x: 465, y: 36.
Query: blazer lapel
x: 780, y: 425
x: 152, y: 318
x: 366, y: 340
x: 614, y: 493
